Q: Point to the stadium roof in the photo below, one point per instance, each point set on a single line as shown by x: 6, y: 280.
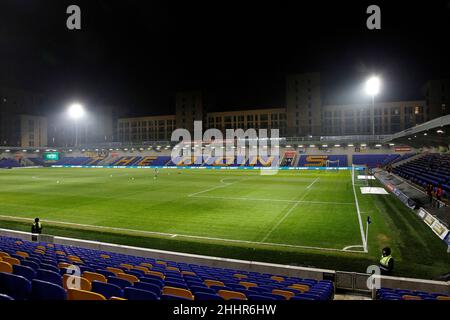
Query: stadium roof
x: 433, y: 133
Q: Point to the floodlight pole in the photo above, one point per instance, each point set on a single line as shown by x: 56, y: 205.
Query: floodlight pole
x: 76, y: 132
x: 373, y: 117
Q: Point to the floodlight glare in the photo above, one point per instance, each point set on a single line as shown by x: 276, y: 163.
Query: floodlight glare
x: 76, y: 111
x: 373, y: 86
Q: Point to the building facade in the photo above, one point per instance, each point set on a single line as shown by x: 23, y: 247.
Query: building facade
x: 33, y: 131
x: 151, y: 128
x: 189, y: 107
x: 303, y: 104
x: 437, y: 96
x: 358, y: 119
x: 274, y: 118
x: 22, y: 122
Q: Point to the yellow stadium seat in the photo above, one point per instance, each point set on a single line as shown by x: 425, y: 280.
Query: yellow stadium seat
x: 18, y: 242
x: 75, y: 294
x: 74, y: 259
x: 173, y: 269
x: 91, y: 276
x: 162, y: 263
x: 248, y: 284
x: 240, y: 276
x: 442, y: 298
x: 50, y: 245
x: 277, y: 278
x: 63, y: 265
x: 284, y: 293
x: 146, y: 264
x: 188, y: 273
x: 157, y: 274
x: 128, y: 277
x: 39, y: 251
x: 6, y: 267
x: 41, y: 248
x: 114, y: 270
x: 23, y: 254
x: 3, y: 254
x: 178, y: 292
x: 117, y: 298
x: 141, y: 268
x: 210, y: 283
x: 409, y: 297
x: 227, y: 295
x: 11, y: 260
x: 299, y: 287
x: 105, y: 256
x: 60, y: 253
x: 85, y: 284
x: 126, y: 266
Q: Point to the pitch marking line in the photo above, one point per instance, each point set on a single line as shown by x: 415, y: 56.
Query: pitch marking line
x: 359, y: 215
x: 135, y: 232
x: 312, y: 183
x: 308, y: 188
x: 223, y: 185
x: 274, y: 200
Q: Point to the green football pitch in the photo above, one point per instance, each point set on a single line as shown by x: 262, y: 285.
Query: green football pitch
x: 297, y: 217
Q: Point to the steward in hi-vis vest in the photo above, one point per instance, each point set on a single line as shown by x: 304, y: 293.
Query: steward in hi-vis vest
x: 386, y: 262
x: 36, y: 229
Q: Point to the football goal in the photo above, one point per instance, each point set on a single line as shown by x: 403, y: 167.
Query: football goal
x: 332, y: 165
x: 360, y: 175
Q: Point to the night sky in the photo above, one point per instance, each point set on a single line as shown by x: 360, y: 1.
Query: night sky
x: 137, y: 54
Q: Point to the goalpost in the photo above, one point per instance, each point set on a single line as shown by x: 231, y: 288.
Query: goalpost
x: 332, y: 165
x: 360, y: 175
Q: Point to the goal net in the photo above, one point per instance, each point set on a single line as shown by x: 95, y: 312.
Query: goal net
x: 360, y: 175
x: 332, y: 165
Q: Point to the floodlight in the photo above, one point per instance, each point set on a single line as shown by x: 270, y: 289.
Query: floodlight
x: 76, y: 111
x: 373, y: 86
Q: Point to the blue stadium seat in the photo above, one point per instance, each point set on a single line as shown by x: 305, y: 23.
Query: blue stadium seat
x: 43, y: 290
x: 15, y: 286
x: 108, y: 290
x: 148, y: 287
x: 201, y: 296
x: 49, y: 267
x: 138, y: 294
x: 49, y: 276
x: 29, y: 263
x: 122, y: 283
x: 24, y: 271
x: 4, y: 297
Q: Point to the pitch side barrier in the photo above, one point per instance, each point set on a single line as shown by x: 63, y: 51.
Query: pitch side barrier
x: 205, y: 167
x: 251, y: 266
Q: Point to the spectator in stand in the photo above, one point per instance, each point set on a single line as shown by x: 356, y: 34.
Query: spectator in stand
x: 429, y: 190
x: 439, y: 192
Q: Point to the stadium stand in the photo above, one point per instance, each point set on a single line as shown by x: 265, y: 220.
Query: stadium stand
x: 37, y: 161
x: 9, y: 163
x: 35, y: 271
x: 401, y: 294
x: 320, y: 160
x: 374, y: 160
x: 431, y: 168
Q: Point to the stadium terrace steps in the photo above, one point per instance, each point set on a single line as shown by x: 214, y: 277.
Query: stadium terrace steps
x: 405, y: 158
x: 430, y: 168
x: 137, y: 278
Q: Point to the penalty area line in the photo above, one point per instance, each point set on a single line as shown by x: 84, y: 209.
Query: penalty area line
x: 171, y: 235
